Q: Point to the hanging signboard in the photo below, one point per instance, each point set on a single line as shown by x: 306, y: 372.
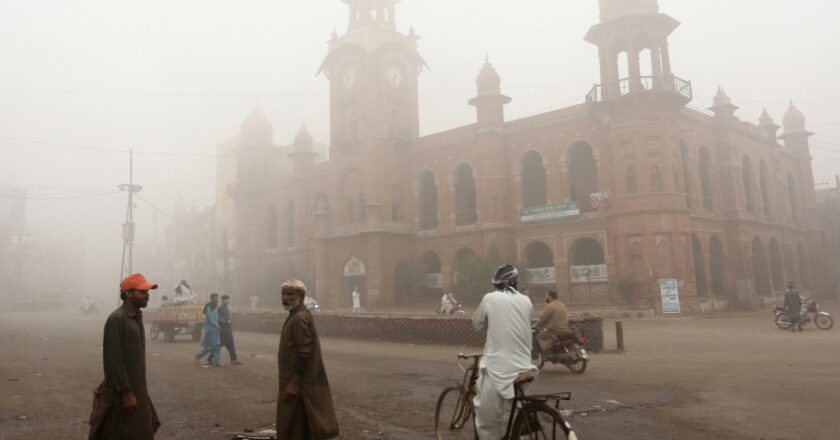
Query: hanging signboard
x: 550, y: 213
x: 669, y: 290
x: 600, y: 199
x: 354, y: 268
x: 434, y: 280
x: 542, y: 275
x: 593, y: 273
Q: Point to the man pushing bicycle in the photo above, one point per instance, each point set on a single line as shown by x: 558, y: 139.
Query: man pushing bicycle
x: 506, y: 315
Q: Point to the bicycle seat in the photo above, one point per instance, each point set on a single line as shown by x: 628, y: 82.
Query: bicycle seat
x: 526, y: 377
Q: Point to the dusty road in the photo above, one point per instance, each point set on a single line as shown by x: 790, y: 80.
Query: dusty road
x: 683, y: 378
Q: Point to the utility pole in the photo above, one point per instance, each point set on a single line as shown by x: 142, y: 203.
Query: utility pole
x: 128, y: 226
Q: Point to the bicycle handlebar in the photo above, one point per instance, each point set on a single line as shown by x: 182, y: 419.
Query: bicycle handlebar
x: 470, y: 356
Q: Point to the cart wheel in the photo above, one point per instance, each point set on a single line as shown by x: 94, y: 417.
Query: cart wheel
x: 154, y: 332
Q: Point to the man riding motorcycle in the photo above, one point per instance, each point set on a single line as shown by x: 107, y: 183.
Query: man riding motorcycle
x: 793, y: 305
x: 554, y: 322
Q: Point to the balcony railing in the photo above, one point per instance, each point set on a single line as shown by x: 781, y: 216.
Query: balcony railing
x: 642, y: 85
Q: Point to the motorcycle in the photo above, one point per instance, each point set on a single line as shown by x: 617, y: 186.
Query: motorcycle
x: 456, y: 310
x: 311, y: 305
x: 569, y: 351
x: 822, y: 320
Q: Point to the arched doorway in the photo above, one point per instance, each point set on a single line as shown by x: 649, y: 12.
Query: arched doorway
x: 354, y: 277
x: 465, y: 196
x: 542, y: 274
x: 463, y: 256
x: 699, y: 266
x: 761, y: 275
x: 428, y: 192
x: 583, y: 174
x: 408, y: 283
x: 588, y: 272
x: 717, y: 264
x: 432, y: 274
x: 534, y: 180
x: 802, y: 260
x: 777, y: 273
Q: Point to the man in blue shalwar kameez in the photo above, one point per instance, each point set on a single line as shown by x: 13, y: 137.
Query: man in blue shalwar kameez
x: 210, y: 338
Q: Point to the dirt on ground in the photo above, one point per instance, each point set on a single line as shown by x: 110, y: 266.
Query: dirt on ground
x: 680, y: 378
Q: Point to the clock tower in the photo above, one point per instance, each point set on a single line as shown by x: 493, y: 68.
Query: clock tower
x: 373, y: 71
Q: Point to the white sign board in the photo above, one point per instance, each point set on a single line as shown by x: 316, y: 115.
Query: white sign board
x: 669, y: 290
x: 594, y: 273
x: 542, y: 275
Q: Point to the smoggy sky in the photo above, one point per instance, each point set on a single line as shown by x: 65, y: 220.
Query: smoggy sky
x: 180, y: 76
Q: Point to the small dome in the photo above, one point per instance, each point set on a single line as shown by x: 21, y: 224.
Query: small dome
x: 765, y: 120
x: 488, y: 81
x: 256, y: 130
x: 721, y: 98
x: 611, y: 9
x: 794, y: 120
x: 303, y: 140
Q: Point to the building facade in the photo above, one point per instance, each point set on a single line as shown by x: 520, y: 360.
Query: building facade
x: 598, y: 200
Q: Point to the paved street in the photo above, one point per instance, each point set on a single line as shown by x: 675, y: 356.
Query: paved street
x: 681, y: 378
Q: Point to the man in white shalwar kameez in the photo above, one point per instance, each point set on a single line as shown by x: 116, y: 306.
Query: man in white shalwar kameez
x: 506, y: 315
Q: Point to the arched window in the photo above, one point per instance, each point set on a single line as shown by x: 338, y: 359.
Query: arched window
x: 794, y: 208
x: 428, y: 214
x: 664, y: 258
x: 465, y: 196
x: 463, y: 256
x: 534, y: 186
x: 761, y: 275
x: 656, y: 179
x: 630, y: 180
x: 763, y: 183
x: 271, y: 227
x: 587, y: 252
x: 777, y: 273
x: 321, y: 205
x: 430, y: 263
x: 748, y: 178
x: 539, y: 261
x: 583, y: 174
x: 717, y: 263
x: 705, y: 177
x: 353, y: 190
x: 290, y: 224
x: 686, y: 169
x: 699, y: 265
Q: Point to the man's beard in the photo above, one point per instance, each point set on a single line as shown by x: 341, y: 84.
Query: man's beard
x: 291, y: 304
x: 140, y: 302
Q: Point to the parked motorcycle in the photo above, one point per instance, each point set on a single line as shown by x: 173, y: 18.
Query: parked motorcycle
x: 456, y: 310
x: 569, y: 351
x: 311, y: 305
x: 822, y: 320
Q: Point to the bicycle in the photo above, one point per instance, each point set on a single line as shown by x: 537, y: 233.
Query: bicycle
x: 531, y: 417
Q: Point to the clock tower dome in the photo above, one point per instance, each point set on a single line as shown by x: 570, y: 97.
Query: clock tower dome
x: 373, y: 71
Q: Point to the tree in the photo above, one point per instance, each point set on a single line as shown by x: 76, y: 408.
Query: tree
x: 473, y: 275
x: 410, y: 283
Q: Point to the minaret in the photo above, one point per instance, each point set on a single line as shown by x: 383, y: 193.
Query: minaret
x: 722, y: 107
x: 489, y: 103
x: 303, y: 155
x: 632, y: 26
x: 766, y: 122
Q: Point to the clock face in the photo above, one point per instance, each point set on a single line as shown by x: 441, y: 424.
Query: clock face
x: 394, y: 75
x: 349, y: 79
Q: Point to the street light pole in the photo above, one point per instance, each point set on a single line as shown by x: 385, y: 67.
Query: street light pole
x: 128, y: 226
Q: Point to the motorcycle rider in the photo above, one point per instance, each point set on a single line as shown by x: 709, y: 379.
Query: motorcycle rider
x: 447, y: 303
x: 793, y: 305
x: 506, y: 315
x: 554, y: 322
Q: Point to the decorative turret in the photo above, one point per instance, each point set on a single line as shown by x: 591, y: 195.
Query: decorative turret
x: 303, y: 155
x: 490, y: 102
x: 794, y: 120
x: 256, y: 131
x: 766, y: 122
x: 303, y: 140
x: 723, y: 108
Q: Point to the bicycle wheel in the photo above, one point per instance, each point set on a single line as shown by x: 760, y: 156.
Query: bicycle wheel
x: 454, y: 416
x: 823, y: 320
x: 538, y: 421
x: 783, y: 321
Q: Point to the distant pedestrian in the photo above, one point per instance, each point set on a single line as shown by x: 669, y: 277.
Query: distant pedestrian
x: 254, y: 300
x: 304, y: 402
x: 210, y: 338
x: 226, y: 333
x: 793, y: 304
x: 357, y: 300
x: 122, y: 408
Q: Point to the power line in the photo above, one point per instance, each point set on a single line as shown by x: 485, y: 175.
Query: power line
x: 87, y: 196
x: 163, y: 211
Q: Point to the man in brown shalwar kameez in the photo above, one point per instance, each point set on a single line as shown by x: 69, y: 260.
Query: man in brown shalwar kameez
x: 304, y: 402
x: 122, y: 409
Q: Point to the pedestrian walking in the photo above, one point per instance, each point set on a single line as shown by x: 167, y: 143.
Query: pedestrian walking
x: 210, y: 337
x: 226, y: 333
x: 304, y: 402
x: 357, y: 300
x: 122, y: 408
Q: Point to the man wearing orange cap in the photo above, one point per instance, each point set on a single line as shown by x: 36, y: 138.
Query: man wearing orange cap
x: 122, y: 408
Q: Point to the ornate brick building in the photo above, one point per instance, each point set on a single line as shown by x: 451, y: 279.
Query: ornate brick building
x: 598, y: 200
